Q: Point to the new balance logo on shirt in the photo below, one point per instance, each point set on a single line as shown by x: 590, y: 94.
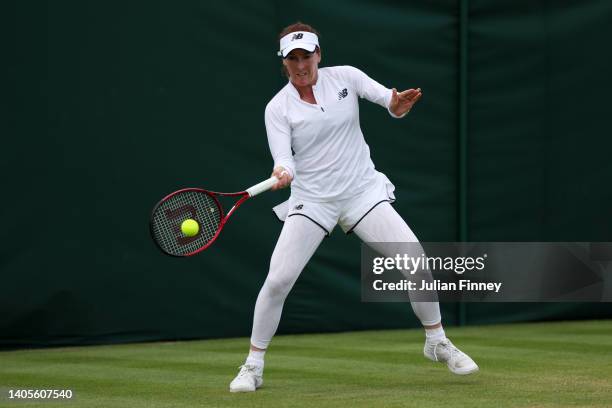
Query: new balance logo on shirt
x: 342, y: 94
x: 298, y: 207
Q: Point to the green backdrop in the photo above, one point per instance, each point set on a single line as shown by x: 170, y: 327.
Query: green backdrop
x: 111, y: 105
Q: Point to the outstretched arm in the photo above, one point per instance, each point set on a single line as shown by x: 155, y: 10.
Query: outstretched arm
x: 398, y: 104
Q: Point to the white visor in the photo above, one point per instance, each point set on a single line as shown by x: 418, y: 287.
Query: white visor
x: 298, y: 39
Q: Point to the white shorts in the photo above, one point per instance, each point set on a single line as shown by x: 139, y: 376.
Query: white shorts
x: 346, y: 213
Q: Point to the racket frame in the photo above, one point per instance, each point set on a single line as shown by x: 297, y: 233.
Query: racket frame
x: 250, y: 192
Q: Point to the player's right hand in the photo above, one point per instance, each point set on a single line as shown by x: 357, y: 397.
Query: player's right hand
x: 284, y: 179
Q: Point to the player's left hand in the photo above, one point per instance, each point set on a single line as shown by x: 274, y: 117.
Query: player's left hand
x: 402, y: 102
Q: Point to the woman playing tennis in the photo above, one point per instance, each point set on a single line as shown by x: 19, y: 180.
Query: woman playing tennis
x: 318, y: 148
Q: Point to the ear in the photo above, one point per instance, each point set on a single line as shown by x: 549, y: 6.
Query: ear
x: 318, y: 55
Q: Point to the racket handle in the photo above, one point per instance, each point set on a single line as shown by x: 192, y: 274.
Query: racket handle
x: 261, y: 187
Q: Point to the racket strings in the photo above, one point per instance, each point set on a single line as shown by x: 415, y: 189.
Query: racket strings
x: 170, y: 214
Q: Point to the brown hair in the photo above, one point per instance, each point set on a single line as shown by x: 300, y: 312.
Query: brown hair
x: 298, y: 26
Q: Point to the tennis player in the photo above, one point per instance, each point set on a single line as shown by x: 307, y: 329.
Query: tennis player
x: 318, y: 148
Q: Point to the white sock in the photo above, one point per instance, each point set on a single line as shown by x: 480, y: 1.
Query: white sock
x: 256, y: 358
x: 434, y: 336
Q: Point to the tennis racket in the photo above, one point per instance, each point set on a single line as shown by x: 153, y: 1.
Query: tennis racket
x: 199, y: 205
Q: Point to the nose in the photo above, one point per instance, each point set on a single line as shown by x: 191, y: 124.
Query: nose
x: 301, y: 64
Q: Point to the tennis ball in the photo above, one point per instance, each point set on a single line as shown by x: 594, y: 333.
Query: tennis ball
x: 190, y: 228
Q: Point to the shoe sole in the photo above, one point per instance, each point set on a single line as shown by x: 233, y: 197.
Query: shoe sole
x: 247, y: 389
x: 242, y: 390
x: 466, y: 372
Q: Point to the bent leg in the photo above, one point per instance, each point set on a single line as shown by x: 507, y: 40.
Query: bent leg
x: 384, y: 224
x: 298, y: 241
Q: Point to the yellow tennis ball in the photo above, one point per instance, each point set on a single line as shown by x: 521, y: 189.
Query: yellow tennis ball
x: 190, y: 228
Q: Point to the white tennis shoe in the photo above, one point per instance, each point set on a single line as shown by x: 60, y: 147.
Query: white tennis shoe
x: 457, y: 361
x: 248, y: 379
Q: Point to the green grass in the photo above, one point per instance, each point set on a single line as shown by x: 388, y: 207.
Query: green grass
x: 565, y: 364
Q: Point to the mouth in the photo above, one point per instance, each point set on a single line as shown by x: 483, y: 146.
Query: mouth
x: 301, y: 75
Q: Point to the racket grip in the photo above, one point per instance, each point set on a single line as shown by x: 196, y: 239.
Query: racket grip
x: 261, y: 187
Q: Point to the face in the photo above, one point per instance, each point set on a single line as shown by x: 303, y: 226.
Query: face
x: 302, y: 66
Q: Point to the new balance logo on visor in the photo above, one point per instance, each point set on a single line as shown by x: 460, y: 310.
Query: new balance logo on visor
x: 297, y: 36
x: 298, y: 207
x: 342, y: 94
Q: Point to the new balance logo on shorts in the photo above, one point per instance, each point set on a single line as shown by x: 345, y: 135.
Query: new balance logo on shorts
x: 342, y: 94
x: 297, y: 36
x: 298, y: 207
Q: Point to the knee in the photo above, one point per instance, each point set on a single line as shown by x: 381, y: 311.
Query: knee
x: 277, y: 287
